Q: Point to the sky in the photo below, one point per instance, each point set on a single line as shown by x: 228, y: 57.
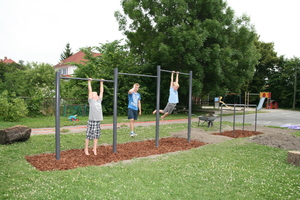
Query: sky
x: 38, y: 30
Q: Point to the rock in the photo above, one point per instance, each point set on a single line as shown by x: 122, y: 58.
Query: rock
x: 14, y: 134
x: 294, y: 158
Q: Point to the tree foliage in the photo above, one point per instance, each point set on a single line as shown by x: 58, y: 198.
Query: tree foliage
x: 6, y: 68
x: 11, y: 107
x: 113, y: 55
x: 265, y: 66
x: 281, y: 82
x: 67, y: 52
x: 24, y: 82
x: 33, y: 81
x: 202, y: 36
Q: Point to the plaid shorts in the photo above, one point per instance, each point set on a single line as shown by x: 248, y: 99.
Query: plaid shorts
x: 169, y: 108
x: 93, y: 130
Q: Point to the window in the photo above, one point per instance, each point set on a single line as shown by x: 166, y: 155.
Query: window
x: 63, y: 71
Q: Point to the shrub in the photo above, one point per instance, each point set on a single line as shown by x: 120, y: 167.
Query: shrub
x: 11, y: 107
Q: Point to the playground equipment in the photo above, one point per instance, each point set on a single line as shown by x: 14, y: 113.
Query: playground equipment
x: 261, y: 102
x: 270, y: 104
x: 209, y: 118
x: 264, y: 97
x: 224, y: 103
x: 58, y: 77
x: 234, y: 114
x: 73, y: 118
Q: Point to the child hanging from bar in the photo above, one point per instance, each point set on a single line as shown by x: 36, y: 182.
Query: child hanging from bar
x: 93, y: 129
x: 173, y: 97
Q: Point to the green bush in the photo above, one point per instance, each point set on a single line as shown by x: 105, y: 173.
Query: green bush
x: 35, y: 103
x: 11, y: 107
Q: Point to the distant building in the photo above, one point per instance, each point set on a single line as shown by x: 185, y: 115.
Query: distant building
x: 65, y: 66
x: 7, y: 60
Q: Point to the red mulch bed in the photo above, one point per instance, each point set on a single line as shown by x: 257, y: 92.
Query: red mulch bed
x: 74, y: 158
x: 238, y: 133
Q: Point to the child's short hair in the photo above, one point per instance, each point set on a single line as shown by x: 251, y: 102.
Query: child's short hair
x: 176, y: 84
x: 136, y: 84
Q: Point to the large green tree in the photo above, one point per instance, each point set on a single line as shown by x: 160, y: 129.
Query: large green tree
x: 202, y: 36
x: 265, y: 66
x: 263, y: 70
x: 282, y: 80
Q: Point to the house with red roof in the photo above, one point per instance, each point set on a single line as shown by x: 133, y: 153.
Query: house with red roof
x: 7, y: 60
x: 67, y: 68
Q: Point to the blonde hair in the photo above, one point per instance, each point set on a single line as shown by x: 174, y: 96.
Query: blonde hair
x: 136, y: 84
x: 175, y: 84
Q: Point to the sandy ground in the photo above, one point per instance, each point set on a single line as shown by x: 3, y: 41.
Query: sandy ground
x: 274, y: 137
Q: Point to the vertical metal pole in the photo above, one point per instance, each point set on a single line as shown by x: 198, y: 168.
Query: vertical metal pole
x: 190, y: 106
x: 115, y: 110
x: 244, y: 116
x: 221, y: 119
x: 57, y: 115
x: 255, y: 118
x: 157, y: 106
x: 233, y: 118
x: 247, y: 100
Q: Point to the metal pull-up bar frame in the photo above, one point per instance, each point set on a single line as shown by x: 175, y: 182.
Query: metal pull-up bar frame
x: 138, y: 75
x: 86, y: 79
x: 115, y: 81
x: 57, y: 108
x: 163, y: 70
x: 190, y: 74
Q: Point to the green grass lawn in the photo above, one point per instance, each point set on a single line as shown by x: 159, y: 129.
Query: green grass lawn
x: 235, y: 169
x: 48, y: 121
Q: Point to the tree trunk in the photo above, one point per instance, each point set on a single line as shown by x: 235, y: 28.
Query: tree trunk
x: 294, y: 158
x: 14, y: 134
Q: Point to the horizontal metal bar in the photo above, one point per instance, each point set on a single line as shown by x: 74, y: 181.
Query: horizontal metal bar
x: 138, y: 75
x: 240, y: 105
x: 163, y: 70
x: 86, y: 79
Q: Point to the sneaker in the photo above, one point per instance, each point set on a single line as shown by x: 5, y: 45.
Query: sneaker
x: 133, y: 134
